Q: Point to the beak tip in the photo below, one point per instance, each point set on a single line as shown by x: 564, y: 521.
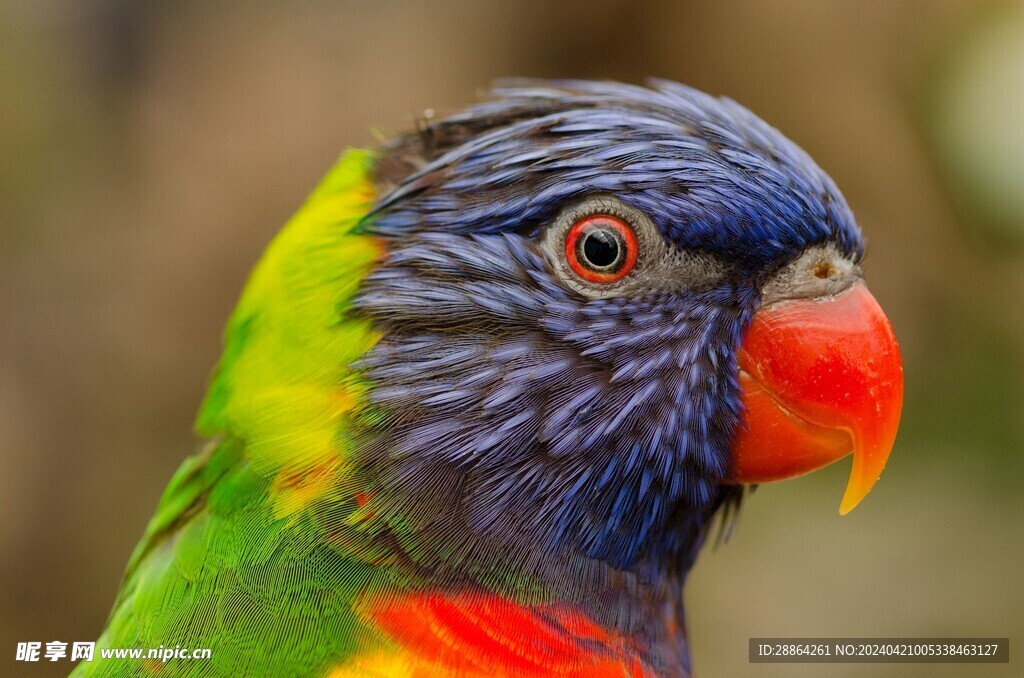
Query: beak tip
x: 850, y: 502
x: 857, y: 488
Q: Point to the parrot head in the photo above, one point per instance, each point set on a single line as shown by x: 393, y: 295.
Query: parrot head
x: 602, y: 308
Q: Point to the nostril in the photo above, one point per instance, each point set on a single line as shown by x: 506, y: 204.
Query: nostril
x: 823, y: 270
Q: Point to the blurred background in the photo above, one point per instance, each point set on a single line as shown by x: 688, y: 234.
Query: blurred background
x: 149, y: 150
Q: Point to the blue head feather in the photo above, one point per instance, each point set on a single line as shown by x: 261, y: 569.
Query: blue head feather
x: 521, y: 426
x: 711, y: 174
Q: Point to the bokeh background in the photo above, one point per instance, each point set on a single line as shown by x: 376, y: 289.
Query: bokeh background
x: 149, y: 150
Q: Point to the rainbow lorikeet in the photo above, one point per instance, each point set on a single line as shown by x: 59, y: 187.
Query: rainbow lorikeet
x: 485, y: 393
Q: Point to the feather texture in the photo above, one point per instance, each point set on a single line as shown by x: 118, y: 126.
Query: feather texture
x: 432, y: 455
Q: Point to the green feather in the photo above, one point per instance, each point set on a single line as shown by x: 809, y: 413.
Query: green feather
x: 289, y: 342
x: 242, y: 555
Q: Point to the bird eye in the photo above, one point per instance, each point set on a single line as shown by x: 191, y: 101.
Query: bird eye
x: 601, y: 248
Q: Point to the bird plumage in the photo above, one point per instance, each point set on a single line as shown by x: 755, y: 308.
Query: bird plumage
x: 429, y: 453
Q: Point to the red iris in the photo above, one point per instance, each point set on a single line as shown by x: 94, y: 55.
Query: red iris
x: 601, y: 248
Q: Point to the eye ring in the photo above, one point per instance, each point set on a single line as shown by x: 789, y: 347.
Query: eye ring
x: 601, y: 248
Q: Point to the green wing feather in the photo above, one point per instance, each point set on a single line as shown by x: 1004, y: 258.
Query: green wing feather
x: 246, y: 554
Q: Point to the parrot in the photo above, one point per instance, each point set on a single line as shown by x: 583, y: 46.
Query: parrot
x: 486, y: 395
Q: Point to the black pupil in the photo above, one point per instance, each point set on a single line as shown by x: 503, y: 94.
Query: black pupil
x: 600, y: 247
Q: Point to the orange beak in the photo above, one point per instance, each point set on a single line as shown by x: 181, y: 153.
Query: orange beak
x: 821, y: 378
